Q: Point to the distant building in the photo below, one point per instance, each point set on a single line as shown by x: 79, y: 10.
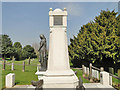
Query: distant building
x: 119, y: 7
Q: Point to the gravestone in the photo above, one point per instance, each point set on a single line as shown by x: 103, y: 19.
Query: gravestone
x: 12, y: 66
x: 104, y: 78
x: 118, y: 72
x: 110, y: 80
x: 93, y: 73
x: 97, y: 74
x: 84, y: 69
x: 87, y: 71
x: 111, y: 70
x: 58, y: 73
x: 10, y: 80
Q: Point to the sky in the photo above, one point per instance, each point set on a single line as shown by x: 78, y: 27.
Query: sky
x: 25, y: 21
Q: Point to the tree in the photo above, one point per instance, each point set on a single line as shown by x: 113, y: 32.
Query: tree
x: 97, y: 41
x: 17, y: 45
x: 6, y: 48
x: 28, y: 51
x: 18, y: 48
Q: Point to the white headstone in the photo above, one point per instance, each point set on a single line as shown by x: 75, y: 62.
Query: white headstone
x: 97, y: 74
x: 87, y: 71
x: 104, y: 78
x: 12, y: 67
x: 93, y: 73
x: 10, y: 80
x: 110, y: 80
x: 84, y: 69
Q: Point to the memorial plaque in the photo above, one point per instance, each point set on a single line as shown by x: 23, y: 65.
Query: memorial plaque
x: 58, y: 20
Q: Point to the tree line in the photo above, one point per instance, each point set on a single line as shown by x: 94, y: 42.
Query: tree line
x: 8, y: 49
x: 98, y: 41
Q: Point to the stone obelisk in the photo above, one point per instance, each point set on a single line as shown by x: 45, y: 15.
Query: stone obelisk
x: 59, y: 74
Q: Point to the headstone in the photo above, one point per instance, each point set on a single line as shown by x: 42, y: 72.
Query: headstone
x: 12, y: 67
x: 84, y: 69
x: 97, y: 74
x: 87, y: 71
x: 110, y: 80
x: 111, y: 70
x: 118, y: 72
x: 93, y: 73
x: 10, y: 80
x: 104, y: 78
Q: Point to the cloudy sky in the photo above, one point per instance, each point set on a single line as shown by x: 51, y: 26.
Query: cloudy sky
x: 25, y: 21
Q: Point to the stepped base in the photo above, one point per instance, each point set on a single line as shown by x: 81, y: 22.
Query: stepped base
x: 60, y: 80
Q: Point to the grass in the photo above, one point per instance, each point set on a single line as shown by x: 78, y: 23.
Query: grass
x: 79, y: 74
x: 25, y: 78
x: 21, y: 78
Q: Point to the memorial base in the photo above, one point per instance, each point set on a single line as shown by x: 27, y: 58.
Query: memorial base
x: 64, y: 79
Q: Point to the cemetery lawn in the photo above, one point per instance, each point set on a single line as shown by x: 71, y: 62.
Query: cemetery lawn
x: 25, y: 78
x: 21, y: 78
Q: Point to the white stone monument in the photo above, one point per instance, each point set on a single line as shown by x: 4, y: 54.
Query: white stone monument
x: 58, y: 74
x: 10, y: 80
x: 104, y: 78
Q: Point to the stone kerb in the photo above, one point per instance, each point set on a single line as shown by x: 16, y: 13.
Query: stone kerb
x: 10, y: 80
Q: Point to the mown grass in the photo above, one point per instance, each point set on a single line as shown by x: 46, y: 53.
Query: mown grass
x: 21, y: 78
x: 25, y: 78
x: 79, y: 74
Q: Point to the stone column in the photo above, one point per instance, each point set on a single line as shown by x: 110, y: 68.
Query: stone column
x: 101, y: 69
x: 90, y: 75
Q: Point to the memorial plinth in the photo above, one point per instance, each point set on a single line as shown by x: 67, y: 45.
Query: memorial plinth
x: 58, y: 74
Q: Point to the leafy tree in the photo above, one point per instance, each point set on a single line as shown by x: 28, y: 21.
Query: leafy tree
x: 18, y: 48
x: 97, y: 41
x: 28, y: 51
x: 17, y: 45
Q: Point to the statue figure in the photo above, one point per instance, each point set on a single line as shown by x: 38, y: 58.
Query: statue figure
x: 43, y: 53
